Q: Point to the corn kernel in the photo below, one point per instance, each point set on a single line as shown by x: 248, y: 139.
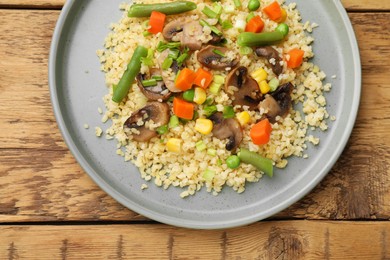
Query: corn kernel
x: 243, y: 118
x: 264, y: 87
x: 283, y: 17
x: 203, y: 126
x: 259, y: 75
x: 174, y: 145
x: 199, y: 96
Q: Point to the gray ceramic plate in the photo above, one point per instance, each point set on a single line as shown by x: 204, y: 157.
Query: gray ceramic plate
x: 77, y: 87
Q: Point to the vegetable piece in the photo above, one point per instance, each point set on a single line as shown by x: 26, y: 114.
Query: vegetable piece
x: 209, y: 110
x: 208, y: 58
x: 149, y: 82
x: 255, y: 25
x: 156, y: 22
x: 212, y: 152
x: 237, y: 3
x: 273, y: 11
x: 251, y: 39
x: 203, y: 78
x: 181, y: 59
x: 233, y: 161
x: 174, y: 145
x: 208, y: 175
x: 215, y: 88
x: 228, y: 112
x: 167, y: 63
x: 259, y: 75
x: 283, y: 17
x: 226, y: 25
x: 173, y: 121
x: 260, y: 133
x: 272, y: 57
x: 199, y: 96
x: 273, y: 84
x: 183, y: 109
x: 128, y: 76
x: 245, y: 50
x: 209, y: 12
x: 253, y: 5
x: 250, y: 16
x: 157, y: 92
x: 229, y: 129
x: 264, y: 87
x: 188, y: 95
x: 261, y: 163
x: 145, y: 10
x: 148, y: 60
x: 185, y: 79
x: 162, y: 46
x: 212, y: 27
x: 203, y: 126
x: 283, y: 29
x: 162, y: 129
x: 296, y: 58
x: 243, y: 118
x: 200, y: 146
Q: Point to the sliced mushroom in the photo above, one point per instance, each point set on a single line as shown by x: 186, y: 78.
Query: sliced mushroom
x: 216, y: 39
x: 186, y: 31
x: 155, y: 111
x: 270, y: 53
x: 210, y: 57
x: 278, y: 103
x: 227, y: 129
x: 169, y: 77
x: 243, y: 88
x: 158, y: 92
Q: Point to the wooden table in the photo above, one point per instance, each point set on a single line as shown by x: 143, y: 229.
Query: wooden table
x: 50, y: 208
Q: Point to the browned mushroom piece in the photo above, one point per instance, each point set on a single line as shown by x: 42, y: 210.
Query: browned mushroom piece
x: 247, y: 91
x: 227, y: 129
x: 169, y: 80
x: 216, y: 39
x: 158, y: 92
x: 155, y: 111
x: 270, y: 53
x: 186, y: 31
x: 216, y: 58
x: 278, y: 103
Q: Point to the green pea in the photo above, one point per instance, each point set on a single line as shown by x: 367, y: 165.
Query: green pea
x: 283, y: 29
x: 253, y: 5
x: 233, y: 161
x: 189, y: 95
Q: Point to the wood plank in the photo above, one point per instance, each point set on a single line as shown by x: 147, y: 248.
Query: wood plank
x: 265, y: 240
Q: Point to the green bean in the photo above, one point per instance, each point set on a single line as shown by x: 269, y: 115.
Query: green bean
x: 259, y: 39
x: 253, y: 5
x: 144, y: 10
x: 128, y: 76
x: 233, y: 161
x: 283, y: 29
x: 261, y: 163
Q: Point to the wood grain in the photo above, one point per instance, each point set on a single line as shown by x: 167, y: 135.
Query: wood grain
x: 350, y: 5
x: 267, y: 240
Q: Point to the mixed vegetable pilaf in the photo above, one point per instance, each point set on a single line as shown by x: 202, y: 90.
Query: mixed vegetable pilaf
x: 202, y: 93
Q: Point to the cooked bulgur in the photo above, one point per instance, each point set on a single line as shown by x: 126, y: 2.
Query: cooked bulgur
x: 289, y: 135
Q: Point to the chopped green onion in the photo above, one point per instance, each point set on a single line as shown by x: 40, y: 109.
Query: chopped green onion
x: 226, y: 25
x: 211, y: 152
x: 209, y: 110
x: 209, y: 13
x: 145, y: 24
x: 213, y: 28
x: 173, y: 121
x: 148, y: 60
x: 208, y: 102
x: 174, y: 54
x: 146, y: 33
x: 188, y: 95
x: 162, y: 129
x: 180, y: 60
x: 219, y: 79
x: 157, y: 77
x: 237, y: 3
x: 149, y: 82
x: 218, y: 52
x: 161, y: 46
x: 219, y: 162
x: 250, y: 16
x: 245, y: 50
x: 273, y: 84
x: 170, y: 99
x: 215, y: 87
x: 167, y: 63
x: 208, y: 175
x: 217, y: 8
x: 200, y: 146
x: 228, y: 112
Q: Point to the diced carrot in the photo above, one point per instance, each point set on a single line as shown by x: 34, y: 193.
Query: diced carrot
x: 296, y: 58
x: 156, y: 22
x: 273, y: 11
x: 183, y: 109
x: 185, y: 79
x: 255, y: 25
x: 203, y: 78
x: 260, y: 133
